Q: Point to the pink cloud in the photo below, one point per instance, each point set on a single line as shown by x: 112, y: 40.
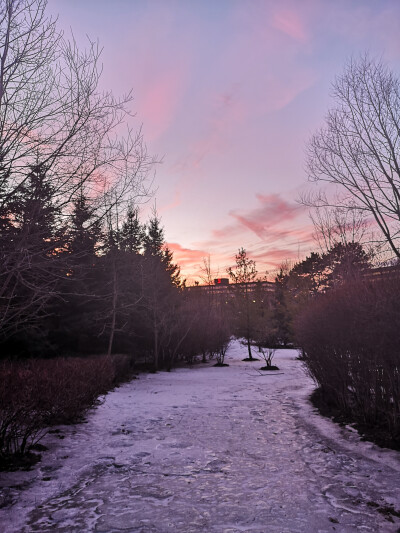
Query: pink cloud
x: 191, y: 260
x: 227, y: 232
x: 186, y: 257
x: 269, y: 222
x: 290, y: 24
x: 224, y: 113
x: 265, y: 53
x: 273, y: 211
x: 282, y: 231
x: 273, y: 258
x: 176, y: 201
x: 159, y: 102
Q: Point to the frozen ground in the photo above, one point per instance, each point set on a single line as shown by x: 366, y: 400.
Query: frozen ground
x: 203, y: 449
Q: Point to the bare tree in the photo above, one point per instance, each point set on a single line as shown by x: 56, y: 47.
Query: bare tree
x: 53, y: 116
x: 268, y: 355
x: 206, y: 275
x: 51, y: 109
x: 335, y: 225
x: 207, y: 304
x: 358, y: 150
x: 243, y: 273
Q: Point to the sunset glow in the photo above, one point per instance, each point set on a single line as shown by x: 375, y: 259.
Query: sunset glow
x: 228, y: 93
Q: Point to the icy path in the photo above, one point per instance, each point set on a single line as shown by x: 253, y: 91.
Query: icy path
x: 206, y: 450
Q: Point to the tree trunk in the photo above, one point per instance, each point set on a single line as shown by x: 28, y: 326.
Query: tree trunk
x: 249, y: 348
x: 155, y: 332
x: 114, y: 311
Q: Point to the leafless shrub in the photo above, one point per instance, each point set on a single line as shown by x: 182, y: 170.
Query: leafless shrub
x: 220, y: 354
x: 350, y: 340
x: 268, y: 355
x: 36, y: 394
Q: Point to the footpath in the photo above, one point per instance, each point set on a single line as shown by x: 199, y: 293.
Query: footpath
x: 207, y: 450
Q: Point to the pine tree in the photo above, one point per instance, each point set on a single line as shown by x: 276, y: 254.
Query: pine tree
x: 75, y: 323
x: 154, y: 238
x: 160, y: 282
x: 345, y: 262
x: 33, y: 239
x: 124, y: 277
x: 84, y: 232
x: 281, y: 317
x: 156, y: 247
x: 36, y: 216
x: 132, y: 233
x: 309, y: 276
x: 172, y: 269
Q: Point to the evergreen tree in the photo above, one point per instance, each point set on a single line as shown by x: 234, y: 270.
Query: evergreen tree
x: 319, y: 272
x: 133, y: 232
x: 172, y: 269
x: 36, y: 216
x: 84, y: 232
x: 8, y: 236
x: 154, y: 238
x: 32, y: 236
x: 346, y: 262
x: 122, y: 280
x: 156, y: 247
x: 125, y: 273
x: 281, y: 316
x: 308, y: 276
x: 75, y: 325
x: 160, y: 283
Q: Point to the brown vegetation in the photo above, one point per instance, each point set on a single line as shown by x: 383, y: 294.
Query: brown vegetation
x: 36, y: 394
x: 350, y: 338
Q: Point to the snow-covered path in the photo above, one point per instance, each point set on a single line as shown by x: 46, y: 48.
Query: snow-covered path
x: 203, y: 449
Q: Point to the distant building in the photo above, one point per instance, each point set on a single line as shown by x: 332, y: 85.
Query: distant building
x: 222, y: 286
x: 221, y: 281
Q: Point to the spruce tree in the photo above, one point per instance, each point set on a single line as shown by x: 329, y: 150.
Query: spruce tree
x: 154, y: 238
x: 75, y: 325
x: 172, y: 269
x: 281, y: 316
x: 36, y: 216
x: 132, y: 233
x: 32, y: 240
x: 84, y: 232
x: 160, y: 282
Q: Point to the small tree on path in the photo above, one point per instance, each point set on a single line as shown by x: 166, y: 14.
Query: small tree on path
x: 243, y: 273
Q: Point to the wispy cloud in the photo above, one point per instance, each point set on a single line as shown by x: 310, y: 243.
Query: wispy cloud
x: 228, y: 92
x: 224, y: 113
x: 175, y: 202
x: 276, y: 230
x: 187, y: 257
x: 160, y: 101
x: 273, y: 211
x: 290, y: 23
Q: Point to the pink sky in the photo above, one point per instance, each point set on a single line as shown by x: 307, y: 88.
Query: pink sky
x: 228, y: 92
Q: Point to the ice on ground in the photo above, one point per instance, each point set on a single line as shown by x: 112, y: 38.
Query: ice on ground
x: 205, y: 449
